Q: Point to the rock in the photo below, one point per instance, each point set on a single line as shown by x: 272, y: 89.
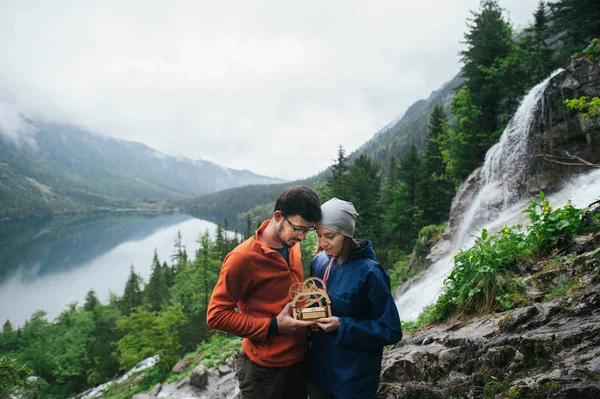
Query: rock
x: 181, y: 366
x: 155, y: 390
x: 224, y: 369
x: 549, y: 349
x: 199, y: 377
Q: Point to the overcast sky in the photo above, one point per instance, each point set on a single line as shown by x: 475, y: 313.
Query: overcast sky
x: 270, y: 86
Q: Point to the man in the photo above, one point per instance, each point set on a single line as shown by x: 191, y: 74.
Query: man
x: 256, y: 277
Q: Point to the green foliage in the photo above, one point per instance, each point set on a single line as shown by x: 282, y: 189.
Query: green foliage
x: 363, y: 190
x: 486, y: 276
x: 479, y: 279
x: 337, y: 182
x: 575, y: 22
x: 405, y: 267
x: 486, y: 67
x: 12, y: 376
x: 402, y: 216
x: 156, y: 293
x: 464, y: 147
x: 219, y: 348
x: 149, y: 333
x: 132, y: 294
x: 435, y: 188
x: 587, y: 107
x: 493, y: 386
x: 549, y: 225
x: 307, y: 249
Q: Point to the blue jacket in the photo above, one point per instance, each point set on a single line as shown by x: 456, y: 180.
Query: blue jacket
x: 347, y: 362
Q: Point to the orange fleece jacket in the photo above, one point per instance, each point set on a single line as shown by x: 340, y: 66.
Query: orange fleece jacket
x: 257, y: 280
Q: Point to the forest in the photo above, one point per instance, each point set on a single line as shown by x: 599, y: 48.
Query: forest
x: 403, y: 210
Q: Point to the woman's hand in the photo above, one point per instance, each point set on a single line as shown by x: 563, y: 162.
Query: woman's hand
x: 329, y: 323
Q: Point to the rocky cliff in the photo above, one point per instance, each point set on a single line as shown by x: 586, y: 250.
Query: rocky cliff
x: 550, y: 349
x: 536, y: 160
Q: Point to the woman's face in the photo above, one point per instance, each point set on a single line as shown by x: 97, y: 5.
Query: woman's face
x: 330, y: 241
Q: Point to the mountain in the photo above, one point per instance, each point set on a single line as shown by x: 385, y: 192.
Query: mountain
x: 394, y: 139
x: 52, y: 167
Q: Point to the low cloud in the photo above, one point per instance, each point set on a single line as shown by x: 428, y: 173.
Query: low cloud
x: 273, y: 87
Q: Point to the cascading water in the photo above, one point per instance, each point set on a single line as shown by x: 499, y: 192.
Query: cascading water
x: 498, y: 200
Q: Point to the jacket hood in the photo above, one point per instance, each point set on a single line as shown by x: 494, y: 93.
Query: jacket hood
x: 365, y: 250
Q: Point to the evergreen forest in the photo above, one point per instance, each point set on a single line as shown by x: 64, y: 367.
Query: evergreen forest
x: 403, y: 206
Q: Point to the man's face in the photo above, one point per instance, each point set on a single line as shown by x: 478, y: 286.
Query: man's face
x: 291, y: 229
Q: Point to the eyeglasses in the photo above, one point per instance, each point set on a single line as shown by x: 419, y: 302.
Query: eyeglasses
x: 299, y: 230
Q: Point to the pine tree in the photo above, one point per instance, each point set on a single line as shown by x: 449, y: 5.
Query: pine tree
x: 248, y: 232
x: 434, y: 188
x: 465, y: 146
x: 402, y: 215
x: 487, y: 65
x: 132, y: 294
x: 337, y: 182
x: 179, y: 255
x: 364, y: 187
x: 91, y: 301
x: 537, y: 57
x: 576, y: 22
x: 156, y: 292
x: 409, y: 166
x: 220, y: 247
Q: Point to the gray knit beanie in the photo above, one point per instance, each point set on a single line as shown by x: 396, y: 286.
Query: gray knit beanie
x: 338, y: 216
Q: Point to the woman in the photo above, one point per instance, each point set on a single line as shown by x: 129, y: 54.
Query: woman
x: 344, y: 358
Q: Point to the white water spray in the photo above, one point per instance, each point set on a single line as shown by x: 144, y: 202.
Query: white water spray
x: 498, y: 201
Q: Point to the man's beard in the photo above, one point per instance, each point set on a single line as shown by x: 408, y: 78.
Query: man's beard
x: 279, y: 235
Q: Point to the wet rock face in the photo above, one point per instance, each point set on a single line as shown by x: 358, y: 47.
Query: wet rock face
x: 562, y: 130
x: 555, y: 131
x: 550, y: 349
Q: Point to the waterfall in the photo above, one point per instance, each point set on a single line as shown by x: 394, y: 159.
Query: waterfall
x: 498, y: 200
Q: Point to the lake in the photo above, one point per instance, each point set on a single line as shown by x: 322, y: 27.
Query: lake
x: 47, y: 263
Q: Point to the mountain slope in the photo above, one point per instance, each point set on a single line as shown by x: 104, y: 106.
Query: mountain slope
x: 394, y: 139
x: 61, y: 167
x: 397, y: 137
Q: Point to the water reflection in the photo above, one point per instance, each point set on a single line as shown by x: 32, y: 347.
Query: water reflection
x: 48, y: 263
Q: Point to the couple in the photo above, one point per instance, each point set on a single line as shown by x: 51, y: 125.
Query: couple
x: 344, y: 357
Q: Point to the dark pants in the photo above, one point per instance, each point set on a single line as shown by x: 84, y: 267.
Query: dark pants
x: 315, y: 392
x: 260, y: 382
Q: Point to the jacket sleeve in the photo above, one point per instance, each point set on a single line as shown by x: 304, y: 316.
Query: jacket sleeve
x: 383, y: 328
x: 235, y: 280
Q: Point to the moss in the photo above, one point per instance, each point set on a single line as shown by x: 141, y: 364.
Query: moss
x: 552, y: 387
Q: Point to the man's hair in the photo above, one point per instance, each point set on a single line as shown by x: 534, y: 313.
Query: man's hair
x: 299, y: 200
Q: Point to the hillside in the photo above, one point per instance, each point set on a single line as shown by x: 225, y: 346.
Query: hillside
x: 394, y: 139
x: 53, y: 168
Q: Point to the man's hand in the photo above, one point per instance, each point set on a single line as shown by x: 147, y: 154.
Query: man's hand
x: 287, y: 324
x: 329, y: 323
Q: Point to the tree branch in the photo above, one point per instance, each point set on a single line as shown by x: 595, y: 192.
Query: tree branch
x: 580, y: 161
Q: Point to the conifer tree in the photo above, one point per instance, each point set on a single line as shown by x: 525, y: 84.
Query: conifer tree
x: 434, y: 188
x: 91, y: 301
x: 487, y: 68
x: 248, y: 232
x: 402, y: 216
x: 575, y: 22
x: 537, y: 57
x: 364, y: 188
x: 179, y: 255
x: 132, y: 294
x: 337, y: 182
x: 409, y: 166
x: 156, y: 292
